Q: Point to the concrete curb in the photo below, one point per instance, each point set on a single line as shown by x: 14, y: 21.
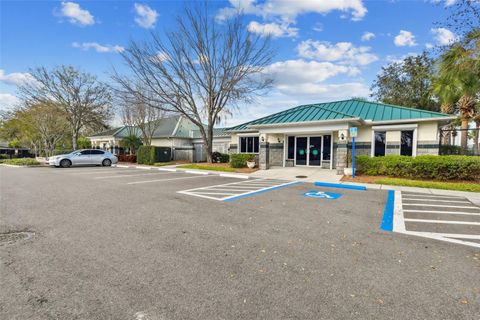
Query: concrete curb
x: 200, y: 172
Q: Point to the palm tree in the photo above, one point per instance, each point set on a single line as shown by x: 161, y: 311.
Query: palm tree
x: 132, y: 142
x: 458, y: 79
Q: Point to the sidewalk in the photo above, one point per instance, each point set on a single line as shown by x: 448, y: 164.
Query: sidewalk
x: 296, y: 173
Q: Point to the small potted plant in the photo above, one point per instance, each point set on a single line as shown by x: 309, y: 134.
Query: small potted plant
x: 251, y: 161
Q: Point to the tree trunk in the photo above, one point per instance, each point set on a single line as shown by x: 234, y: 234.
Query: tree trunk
x: 209, y: 143
x: 74, y: 140
x: 464, y: 135
x: 467, y: 107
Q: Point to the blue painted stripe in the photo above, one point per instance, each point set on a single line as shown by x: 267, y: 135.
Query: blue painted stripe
x: 259, y: 191
x: 341, y: 186
x: 387, y: 220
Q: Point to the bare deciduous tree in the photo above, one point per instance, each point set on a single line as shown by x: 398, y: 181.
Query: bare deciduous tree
x: 202, y: 69
x: 140, y: 116
x: 85, y: 101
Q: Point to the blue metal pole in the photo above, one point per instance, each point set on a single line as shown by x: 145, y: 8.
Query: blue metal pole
x: 353, y: 157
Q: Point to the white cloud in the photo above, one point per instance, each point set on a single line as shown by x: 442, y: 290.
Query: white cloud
x: 405, y: 39
x: 146, y: 17
x: 76, y: 14
x: 98, y: 47
x: 443, y: 36
x: 342, y: 52
x: 273, y: 29
x: 16, y: 78
x: 448, y: 3
x: 327, y: 92
x: 289, y: 10
x: 429, y: 45
x: 399, y: 59
x: 7, y: 101
x: 290, y: 72
x: 366, y: 36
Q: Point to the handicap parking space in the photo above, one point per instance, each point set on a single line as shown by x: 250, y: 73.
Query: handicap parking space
x: 442, y: 217
x: 236, y: 190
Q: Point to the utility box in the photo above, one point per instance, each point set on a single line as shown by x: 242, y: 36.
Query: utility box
x: 163, y: 154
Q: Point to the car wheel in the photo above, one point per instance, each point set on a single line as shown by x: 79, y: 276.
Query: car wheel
x: 107, y: 163
x: 65, y: 163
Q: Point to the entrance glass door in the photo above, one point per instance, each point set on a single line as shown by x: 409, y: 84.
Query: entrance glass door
x: 315, y: 151
x: 301, y: 151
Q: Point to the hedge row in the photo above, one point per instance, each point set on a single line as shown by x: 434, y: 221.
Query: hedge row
x: 421, y: 167
x: 239, y: 160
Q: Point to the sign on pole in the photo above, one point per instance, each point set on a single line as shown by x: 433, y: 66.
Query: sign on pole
x: 353, y: 134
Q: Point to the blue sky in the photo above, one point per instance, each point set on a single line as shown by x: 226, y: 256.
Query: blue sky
x: 326, y: 49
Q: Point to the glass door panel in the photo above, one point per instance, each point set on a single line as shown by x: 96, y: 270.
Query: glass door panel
x: 314, y: 157
x: 301, y: 151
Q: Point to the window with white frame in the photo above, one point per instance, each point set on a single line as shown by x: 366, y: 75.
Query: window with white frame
x: 249, y: 144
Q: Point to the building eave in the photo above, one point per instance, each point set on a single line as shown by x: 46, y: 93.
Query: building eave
x: 436, y: 119
x: 306, y: 123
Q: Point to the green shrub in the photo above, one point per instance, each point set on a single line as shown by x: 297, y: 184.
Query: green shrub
x: 224, y: 158
x: 4, y: 156
x: 152, y: 154
x: 220, y: 157
x: 450, y: 150
x: 21, y: 162
x: 421, y: 167
x: 239, y: 160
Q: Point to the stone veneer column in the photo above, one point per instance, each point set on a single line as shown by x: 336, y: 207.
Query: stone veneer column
x: 263, y: 156
x: 340, y: 155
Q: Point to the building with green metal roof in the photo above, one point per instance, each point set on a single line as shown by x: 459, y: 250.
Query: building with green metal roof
x: 175, y: 132
x: 317, y: 135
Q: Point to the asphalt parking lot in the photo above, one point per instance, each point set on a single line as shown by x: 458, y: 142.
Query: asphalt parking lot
x: 120, y: 243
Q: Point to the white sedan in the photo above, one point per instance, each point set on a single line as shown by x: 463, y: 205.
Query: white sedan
x: 83, y: 157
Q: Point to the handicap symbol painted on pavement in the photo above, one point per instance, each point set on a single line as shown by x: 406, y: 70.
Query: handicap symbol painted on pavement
x: 322, y: 195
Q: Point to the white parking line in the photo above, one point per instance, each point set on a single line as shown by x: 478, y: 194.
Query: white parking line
x: 93, y: 172
x: 398, y: 222
x: 218, y: 193
x: 131, y: 175
x: 442, y: 221
x: 431, y: 196
x: 444, y: 212
x: 442, y: 237
x: 439, y: 205
x: 159, y: 180
x: 436, y: 200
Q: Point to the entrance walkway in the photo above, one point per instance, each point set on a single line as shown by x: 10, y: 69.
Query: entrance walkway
x: 291, y: 173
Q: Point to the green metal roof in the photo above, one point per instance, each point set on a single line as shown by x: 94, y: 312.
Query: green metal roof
x: 170, y: 127
x: 346, y: 109
x: 119, y: 132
